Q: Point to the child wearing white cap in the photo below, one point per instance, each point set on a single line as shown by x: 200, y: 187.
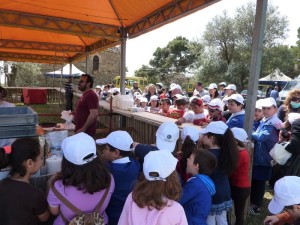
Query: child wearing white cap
x: 235, y: 107
x: 287, y: 198
x: 189, y: 136
x: 258, y: 114
x: 83, y: 181
x: 213, y: 91
x: 196, y: 195
x: 215, y: 108
x: 154, y: 104
x: 229, y: 90
x: 154, y: 198
x: 167, y: 135
x: 197, y: 115
x: 239, y: 179
x: 219, y: 140
x: 265, y: 137
x: 118, y: 154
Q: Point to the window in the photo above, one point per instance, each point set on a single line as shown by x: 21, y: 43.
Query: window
x: 96, y: 63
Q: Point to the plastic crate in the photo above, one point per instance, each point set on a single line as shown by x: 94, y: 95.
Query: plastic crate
x: 15, y: 116
x: 17, y: 131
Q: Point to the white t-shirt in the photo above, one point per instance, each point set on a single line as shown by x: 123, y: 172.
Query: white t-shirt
x: 190, y: 116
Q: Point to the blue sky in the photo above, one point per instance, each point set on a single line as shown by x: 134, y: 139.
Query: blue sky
x: 139, y: 50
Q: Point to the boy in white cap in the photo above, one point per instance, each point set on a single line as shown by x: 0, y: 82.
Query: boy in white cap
x: 154, y: 198
x: 265, y: 137
x: 166, y: 138
x: 287, y: 198
x: 215, y: 107
x: 235, y: 107
x: 118, y: 154
x: 258, y: 114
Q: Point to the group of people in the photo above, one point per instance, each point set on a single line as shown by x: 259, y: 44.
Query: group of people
x: 130, y: 183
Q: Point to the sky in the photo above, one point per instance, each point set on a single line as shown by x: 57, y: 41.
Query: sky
x: 140, y: 50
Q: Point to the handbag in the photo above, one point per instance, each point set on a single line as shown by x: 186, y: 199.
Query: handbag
x: 279, y: 154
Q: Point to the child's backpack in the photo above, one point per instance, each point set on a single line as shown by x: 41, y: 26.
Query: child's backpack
x: 92, y: 218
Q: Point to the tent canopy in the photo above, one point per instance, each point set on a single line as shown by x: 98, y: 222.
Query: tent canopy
x: 65, y: 72
x: 277, y: 75
x: 64, y: 31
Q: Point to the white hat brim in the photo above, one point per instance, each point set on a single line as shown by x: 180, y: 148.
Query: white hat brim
x: 163, y: 145
x: 275, y: 207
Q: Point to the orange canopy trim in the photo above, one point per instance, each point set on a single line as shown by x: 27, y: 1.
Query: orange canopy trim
x: 65, y: 30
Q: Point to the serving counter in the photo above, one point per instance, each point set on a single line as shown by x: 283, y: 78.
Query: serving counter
x: 141, y: 125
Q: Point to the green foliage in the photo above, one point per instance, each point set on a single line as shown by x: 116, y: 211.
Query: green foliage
x: 150, y: 73
x: 229, y: 40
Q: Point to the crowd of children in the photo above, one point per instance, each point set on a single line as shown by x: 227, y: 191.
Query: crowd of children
x: 195, y: 182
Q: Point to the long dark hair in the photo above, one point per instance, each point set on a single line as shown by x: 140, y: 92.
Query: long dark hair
x: 90, y: 177
x: 188, y: 146
x: 229, y: 151
x: 22, y: 150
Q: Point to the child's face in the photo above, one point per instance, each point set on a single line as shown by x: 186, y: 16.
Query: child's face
x: 108, y: 155
x: 214, y: 113
x: 34, y: 166
x: 165, y: 106
x: 153, y: 103
x: 181, y: 107
x: 197, y: 108
x: 233, y: 107
x: 192, y: 168
x: 258, y: 115
x: 269, y: 111
x: 228, y: 92
x: 143, y: 104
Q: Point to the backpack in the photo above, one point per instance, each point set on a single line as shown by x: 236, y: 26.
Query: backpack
x: 92, y: 218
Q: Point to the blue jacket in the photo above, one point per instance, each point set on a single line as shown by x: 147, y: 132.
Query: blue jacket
x: 265, y: 137
x: 236, y: 121
x: 196, y: 201
x: 255, y: 125
x: 125, y: 175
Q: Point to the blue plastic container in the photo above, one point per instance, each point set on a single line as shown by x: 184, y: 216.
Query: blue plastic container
x: 16, y: 116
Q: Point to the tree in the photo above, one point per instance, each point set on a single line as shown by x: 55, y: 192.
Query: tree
x: 176, y: 59
x: 150, y: 73
x: 230, y: 38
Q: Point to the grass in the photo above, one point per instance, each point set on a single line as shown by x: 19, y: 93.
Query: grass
x: 258, y: 219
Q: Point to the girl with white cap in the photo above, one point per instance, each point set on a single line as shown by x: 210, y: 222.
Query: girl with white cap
x: 239, y: 179
x: 213, y: 91
x: 84, y: 182
x: 219, y: 140
x: 153, y: 199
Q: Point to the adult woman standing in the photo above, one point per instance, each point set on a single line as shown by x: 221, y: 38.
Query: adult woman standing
x: 83, y: 180
x: 291, y: 104
x: 151, y: 91
x: 213, y: 91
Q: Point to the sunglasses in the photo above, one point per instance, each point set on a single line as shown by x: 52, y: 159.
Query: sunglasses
x: 296, y: 99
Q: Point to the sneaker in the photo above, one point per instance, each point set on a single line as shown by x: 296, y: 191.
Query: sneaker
x: 254, y: 211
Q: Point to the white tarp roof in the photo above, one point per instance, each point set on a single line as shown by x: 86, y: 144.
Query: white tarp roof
x: 65, y: 72
x: 277, y: 75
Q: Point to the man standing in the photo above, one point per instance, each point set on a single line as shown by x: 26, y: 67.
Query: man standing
x: 69, y: 94
x: 87, y: 107
x: 135, y: 88
x: 199, y: 90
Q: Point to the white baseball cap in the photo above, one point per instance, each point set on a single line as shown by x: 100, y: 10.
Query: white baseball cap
x: 215, y: 127
x: 239, y: 134
x: 190, y: 131
x: 179, y: 96
x: 258, y: 104
x: 237, y: 97
x: 154, y: 98
x: 166, y: 136
x: 216, y: 104
x: 119, y: 139
x: 231, y: 86
x: 213, y: 86
x: 268, y: 102
x: 223, y: 83
x: 98, y: 86
x: 159, y: 163
x: 292, y: 117
x: 79, y: 149
x: 176, y: 86
x: 286, y: 193
x: 172, y: 85
x: 206, y: 99
x: 143, y: 99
